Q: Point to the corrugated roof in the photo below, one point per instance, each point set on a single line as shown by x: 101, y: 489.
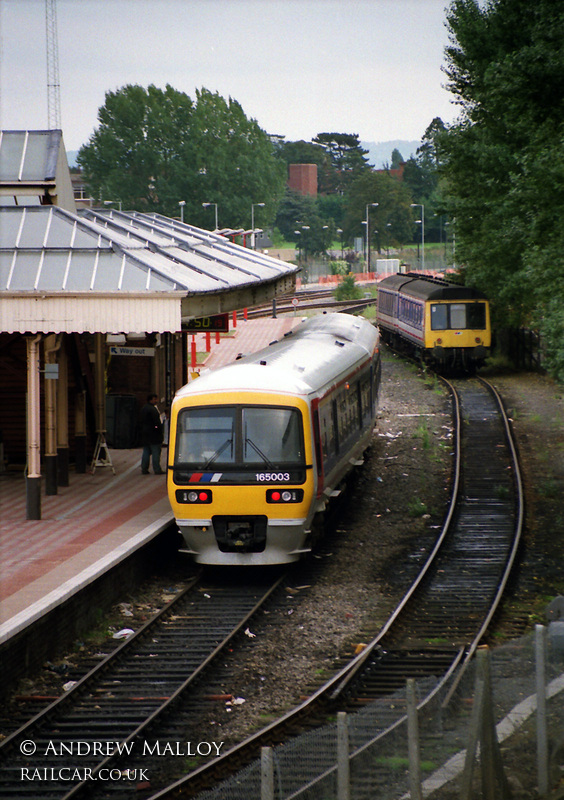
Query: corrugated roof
x: 49, y: 251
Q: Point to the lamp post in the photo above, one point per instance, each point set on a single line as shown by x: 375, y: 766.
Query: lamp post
x: 340, y: 232
x: 422, y: 220
x: 258, y: 205
x: 367, y: 222
x: 182, y: 203
x: 299, y: 243
x: 205, y: 205
x: 112, y: 203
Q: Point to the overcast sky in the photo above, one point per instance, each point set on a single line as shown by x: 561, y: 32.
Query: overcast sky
x: 299, y: 67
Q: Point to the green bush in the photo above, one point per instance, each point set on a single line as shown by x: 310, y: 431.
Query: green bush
x: 347, y: 289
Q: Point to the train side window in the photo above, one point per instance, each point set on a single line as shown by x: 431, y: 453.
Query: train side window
x: 438, y: 317
x: 327, y: 430
x: 366, y: 399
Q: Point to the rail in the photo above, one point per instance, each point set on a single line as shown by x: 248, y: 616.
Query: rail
x: 396, y: 650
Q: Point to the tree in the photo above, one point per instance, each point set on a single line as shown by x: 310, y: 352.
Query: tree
x: 422, y: 173
x: 397, y: 159
x: 154, y: 148
x: 504, y: 157
x: 390, y: 221
x: 302, y: 153
x: 346, y: 161
x: 300, y: 221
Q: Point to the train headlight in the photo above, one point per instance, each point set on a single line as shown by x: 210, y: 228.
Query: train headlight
x: 193, y: 496
x: 284, y: 496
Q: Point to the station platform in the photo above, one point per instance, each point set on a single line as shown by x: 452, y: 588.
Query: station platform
x: 97, y: 521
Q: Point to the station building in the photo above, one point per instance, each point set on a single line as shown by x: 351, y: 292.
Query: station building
x: 95, y: 308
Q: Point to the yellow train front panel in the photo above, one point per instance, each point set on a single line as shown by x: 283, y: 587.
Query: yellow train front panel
x: 458, y: 324
x: 241, y: 479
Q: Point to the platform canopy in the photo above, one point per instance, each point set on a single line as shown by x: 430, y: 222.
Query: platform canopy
x: 109, y: 271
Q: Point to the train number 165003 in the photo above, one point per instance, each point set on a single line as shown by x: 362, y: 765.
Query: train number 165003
x: 276, y: 477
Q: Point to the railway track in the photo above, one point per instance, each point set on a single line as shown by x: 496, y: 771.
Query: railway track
x: 432, y: 634
x: 310, y: 300
x: 128, y: 694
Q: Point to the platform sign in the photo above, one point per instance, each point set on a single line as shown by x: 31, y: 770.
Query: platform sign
x: 119, y: 350
x: 218, y: 323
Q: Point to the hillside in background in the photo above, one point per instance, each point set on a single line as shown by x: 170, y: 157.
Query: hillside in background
x: 379, y: 153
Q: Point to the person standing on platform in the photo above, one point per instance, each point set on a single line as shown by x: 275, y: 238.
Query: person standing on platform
x: 151, y: 436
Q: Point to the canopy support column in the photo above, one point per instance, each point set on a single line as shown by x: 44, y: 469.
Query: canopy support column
x: 33, y: 474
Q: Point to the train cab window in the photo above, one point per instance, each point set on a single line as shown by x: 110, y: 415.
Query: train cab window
x: 458, y: 316
x: 476, y: 316
x: 239, y: 436
x: 439, y: 317
x: 205, y: 435
x: 271, y: 435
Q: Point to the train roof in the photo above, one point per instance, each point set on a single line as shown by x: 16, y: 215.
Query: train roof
x: 317, y: 352
x: 427, y: 287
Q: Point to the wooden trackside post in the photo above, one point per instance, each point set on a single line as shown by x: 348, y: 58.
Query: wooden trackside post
x: 343, y: 762
x: 483, y: 730
x: 413, y: 742
x: 540, y: 679
x: 266, y: 774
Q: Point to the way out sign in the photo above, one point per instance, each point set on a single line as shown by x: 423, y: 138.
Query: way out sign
x: 118, y: 350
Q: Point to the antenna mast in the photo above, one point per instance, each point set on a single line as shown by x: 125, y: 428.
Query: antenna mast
x: 53, y: 85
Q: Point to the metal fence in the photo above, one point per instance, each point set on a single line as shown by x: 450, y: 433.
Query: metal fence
x: 385, y: 751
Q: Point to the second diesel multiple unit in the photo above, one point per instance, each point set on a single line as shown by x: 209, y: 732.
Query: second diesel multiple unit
x: 448, y: 325
x: 259, y: 446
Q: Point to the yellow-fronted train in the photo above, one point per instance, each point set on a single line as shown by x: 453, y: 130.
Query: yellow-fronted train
x: 447, y: 325
x: 258, y: 447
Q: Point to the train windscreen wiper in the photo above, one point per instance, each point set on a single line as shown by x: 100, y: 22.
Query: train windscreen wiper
x: 259, y: 452
x: 217, y: 453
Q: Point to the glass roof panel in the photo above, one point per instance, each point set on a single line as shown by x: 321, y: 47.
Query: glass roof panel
x: 53, y: 272
x: 134, y: 278
x: 11, y: 151
x: 9, y: 227
x: 25, y: 272
x: 158, y: 283
x: 35, y: 159
x: 5, y: 264
x: 107, y: 273
x: 80, y: 272
x: 33, y: 231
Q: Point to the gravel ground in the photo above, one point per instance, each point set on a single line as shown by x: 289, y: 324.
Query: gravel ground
x: 382, y: 530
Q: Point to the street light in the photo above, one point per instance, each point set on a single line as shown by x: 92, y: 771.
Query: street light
x: 422, y: 207
x: 205, y: 205
x: 388, y: 226
x: 299, y: 243
x: 258, y: 205
x: 340, y: 232
x: 367, y: 222
x: 113, y: 202
x: 182, y: 203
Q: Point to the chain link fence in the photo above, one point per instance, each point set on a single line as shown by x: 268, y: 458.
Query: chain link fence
x: 385, y: 759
